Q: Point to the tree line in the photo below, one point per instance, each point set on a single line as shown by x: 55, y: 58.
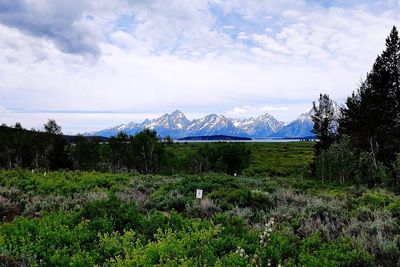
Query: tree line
x: 363, y: 145
x: 144, y: 152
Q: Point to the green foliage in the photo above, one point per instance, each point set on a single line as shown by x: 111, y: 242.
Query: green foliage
x: 229, y: 158
x: 85, y: 154
x: 59, y: 239
x: 338, y: 162
x: 371, y: 116
x: 315, y: 252
x: 324, y: 126
x: 49, y: 241
x: 396, y: 169
x: 369, y: 170
x: 192, y: 246
x: 148, y: 151
x: 394, y: 208
x: 145, y: 152
x: 51, y: 127
x: 375, y: 199
x: 20, y: 148
x: 62, y: 182
x: 266, y: 159
x: 118, y: 219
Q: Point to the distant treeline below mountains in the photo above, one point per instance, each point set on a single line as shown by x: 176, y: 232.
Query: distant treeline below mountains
x: 178, y: 126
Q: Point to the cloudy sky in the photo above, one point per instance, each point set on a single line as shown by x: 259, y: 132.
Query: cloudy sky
x: 92, y: 64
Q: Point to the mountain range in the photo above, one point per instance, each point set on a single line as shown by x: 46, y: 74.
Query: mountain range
x: 177, y: 126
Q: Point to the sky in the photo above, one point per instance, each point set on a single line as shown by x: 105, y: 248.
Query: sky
x: 94, y: 64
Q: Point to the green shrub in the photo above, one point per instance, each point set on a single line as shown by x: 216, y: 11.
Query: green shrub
x: 51, y: 240
x: 375, y: 199
x: 394, y: 207
x: 282, y: 248
x: 163, y: 200
x: 315, y: 252
x: 120, y: 215
x: 94, y: 219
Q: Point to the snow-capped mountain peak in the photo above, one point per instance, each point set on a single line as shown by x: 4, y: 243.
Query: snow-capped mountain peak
x: 177, y: 114
x: 261, y: 126
x: 306, y: 116
x: 210, y: 124
x: 177, y: 125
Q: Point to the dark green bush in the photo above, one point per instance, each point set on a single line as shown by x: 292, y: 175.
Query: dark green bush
x: 315, y: 252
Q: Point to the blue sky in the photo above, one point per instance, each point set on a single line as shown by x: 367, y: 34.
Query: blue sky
x: 93, y: 64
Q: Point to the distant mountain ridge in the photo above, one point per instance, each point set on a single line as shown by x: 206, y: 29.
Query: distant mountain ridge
x: 178, y: 126
x: 302, y: 126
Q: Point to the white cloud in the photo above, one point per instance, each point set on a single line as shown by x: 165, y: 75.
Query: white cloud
x: 291, y: 14
x: 65, y: 23
x: 73, y: 122
x: 228, y: 27
x: 148, y: 57
x: 269, y: 108
x: 237, y: 111
x: 242, y: 35
x: 283, y: 113
x: 79, y: 122
x: 3, y: 110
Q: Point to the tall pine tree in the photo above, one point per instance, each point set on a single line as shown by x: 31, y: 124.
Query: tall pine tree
x: 324, y: 123
x: 372, y: 114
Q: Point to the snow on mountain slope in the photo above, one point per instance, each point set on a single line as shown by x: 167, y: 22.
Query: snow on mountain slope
x: 174, y: 124
x: 262, y: 126
x: 213, y: 124
x: 177, y: 125
x: 303, y: 125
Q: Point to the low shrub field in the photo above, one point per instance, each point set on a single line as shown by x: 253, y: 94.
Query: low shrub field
x: 70, y: 218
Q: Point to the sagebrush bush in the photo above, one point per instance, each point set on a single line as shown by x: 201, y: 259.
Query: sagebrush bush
x: 153, y: 219
x: 202, y: 208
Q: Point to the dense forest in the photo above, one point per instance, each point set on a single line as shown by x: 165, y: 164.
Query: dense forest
x: 131, y: 200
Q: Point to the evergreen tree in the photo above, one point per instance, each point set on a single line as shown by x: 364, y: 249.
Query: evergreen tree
x: 372, y: 114
x: 324, y: 123
x: 85, y: 153
x: 119, y: 151
x: 148, y: 151
x: 57, y: 149
x: 52, y: 127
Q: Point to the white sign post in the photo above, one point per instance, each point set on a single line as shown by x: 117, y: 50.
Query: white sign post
x: 199, y: 193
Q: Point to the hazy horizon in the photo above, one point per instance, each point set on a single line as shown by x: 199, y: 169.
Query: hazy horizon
x: 86, y: 122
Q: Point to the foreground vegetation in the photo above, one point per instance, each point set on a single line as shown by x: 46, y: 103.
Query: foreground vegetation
x: 127, y: 219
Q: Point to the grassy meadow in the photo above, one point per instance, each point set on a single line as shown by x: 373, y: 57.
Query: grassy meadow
x: 267, y: 159
x: 274, y: 214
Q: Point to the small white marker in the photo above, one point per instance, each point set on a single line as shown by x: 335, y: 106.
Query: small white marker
x: 199, y: 193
